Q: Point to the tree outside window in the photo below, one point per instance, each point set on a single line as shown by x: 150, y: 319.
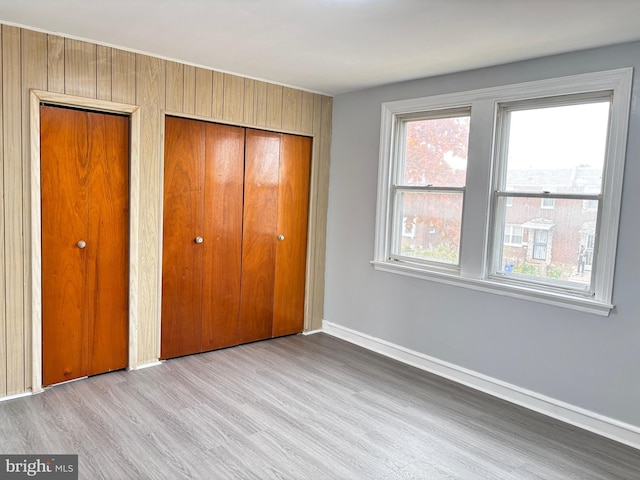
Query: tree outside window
x: 429, y: 188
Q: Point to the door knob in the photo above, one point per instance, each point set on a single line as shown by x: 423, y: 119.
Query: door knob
x: 280, y: 237
x: 199, y: 240
x: 81, y: 244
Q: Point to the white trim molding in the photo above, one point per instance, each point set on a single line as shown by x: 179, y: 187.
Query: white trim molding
x: 605, y: 426
x: 311, y: 332
x: 17, y: 395
x: 147, y: 365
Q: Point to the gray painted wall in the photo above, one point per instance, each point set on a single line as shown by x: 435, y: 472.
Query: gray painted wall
x: 585, y: 360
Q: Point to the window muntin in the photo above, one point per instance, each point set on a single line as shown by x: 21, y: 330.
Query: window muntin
x: 544, y: 161
x: 428, y: 188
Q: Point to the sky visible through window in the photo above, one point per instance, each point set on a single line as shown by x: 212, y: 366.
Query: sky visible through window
x: 558, y: 137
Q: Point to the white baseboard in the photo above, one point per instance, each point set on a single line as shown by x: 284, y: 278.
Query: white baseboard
x: 17, y: 395
x: 30, y: 392
x: 147, y: 365
x: 607, y: 427
x: 312, y: 332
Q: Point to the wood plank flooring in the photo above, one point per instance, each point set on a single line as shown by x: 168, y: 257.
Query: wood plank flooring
x: 299, y: 408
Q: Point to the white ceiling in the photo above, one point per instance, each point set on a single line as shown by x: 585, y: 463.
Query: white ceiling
x: 336, y: 46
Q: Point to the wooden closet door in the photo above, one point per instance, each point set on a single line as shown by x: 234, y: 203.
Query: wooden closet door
x: 182, y: 256
x: 291, y: 252
x: 84, y: 192
x: 262, y: 158
x: 223, y: 235
x: 108, y: 243
x: 64, y: 169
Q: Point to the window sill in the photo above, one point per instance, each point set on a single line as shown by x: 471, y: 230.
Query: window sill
x: 573, y: 302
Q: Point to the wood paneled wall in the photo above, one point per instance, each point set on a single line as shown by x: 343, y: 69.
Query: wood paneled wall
x: 33, y: 60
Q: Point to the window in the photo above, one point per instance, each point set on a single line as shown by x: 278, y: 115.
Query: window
x: 513, y: 235
x: 548, y: 203
x: 428, y: 187
x: 409, y: 227
x: 552, y: 151
x: 540, y: 244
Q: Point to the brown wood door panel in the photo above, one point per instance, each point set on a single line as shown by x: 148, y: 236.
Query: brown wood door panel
x: 291, y: 253
x: 84, y: 192
x: 223, y: 235
x: 239, y: 189
x: 108, y: 243
x: 182, y: 257
x: 65, y: 221
x: 262, y: 152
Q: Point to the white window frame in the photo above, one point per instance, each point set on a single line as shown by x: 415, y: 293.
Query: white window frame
x: 399, y: 187
x: 547, y: 197
x: 476, y: 238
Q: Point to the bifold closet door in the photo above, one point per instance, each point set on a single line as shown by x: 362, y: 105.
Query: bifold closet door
x: 291, y: 247
x: 224, y: 178
x: 182, y: 251
x: 234, y: 235
x: 262, y: 164
x: 85, y: 246
x: 202, y: 236
x: 276, y: 193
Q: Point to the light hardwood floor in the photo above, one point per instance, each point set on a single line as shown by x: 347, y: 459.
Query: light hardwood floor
x: 299, y: 408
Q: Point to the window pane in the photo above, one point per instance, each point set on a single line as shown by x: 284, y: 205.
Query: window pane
x: 512, y: 235
x: 434, y: 221
x: 436, y: 152
x: 554, y: 246
x: 516, y: 236
x: 590, y: 204
x: 548, y: 202
x: 557, y: 149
